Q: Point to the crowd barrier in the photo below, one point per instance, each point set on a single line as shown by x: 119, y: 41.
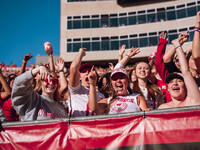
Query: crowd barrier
x: 167, y: 129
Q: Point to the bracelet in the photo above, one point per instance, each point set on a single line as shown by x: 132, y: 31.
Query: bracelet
x: 128, y: 56
x: 60, y: 71
x: 196, y: 30
x: 197, y: 27
x: 24, y: 61
x: 177, y: 47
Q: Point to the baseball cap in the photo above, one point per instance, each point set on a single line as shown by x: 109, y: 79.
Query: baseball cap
x: 119, y: 70
x: 85, y: 66
x: 173, y: 75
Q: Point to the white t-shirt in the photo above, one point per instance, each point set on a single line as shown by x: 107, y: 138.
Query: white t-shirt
x: 123, y: 104
x: 78, y: 105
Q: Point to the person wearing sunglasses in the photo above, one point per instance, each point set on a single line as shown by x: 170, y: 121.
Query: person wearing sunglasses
x: 32, y: 106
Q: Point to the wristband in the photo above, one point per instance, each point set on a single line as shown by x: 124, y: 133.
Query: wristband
x: 197, y: 27
x: 177, y: 47
x: 60, y: 71
x: 196, y: 30
x: 128, y: 56
x: 24, y: 61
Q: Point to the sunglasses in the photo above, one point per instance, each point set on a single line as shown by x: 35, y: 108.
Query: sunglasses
x: 53, y: 80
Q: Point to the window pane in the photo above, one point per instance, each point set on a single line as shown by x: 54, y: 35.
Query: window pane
x: 105, y: 45
x: 95, y: 46
x: 132, y: 20
x: 143, y: 42
x: 76, y: 24
x: 86, y: 23
x: 171, y: 15
x: 133, y: 43
x: 161, y: 16
x: 172, y: 37
x: 69, y: 47
x: 104, y: 22
x: 123, y: 21
x: 191, y: 35
x: 114, y: 45
x: 191, y: 11
x: 86, y: 45
x: 95, y: 23
x: 141, y: 19
x: 124, y: 42
x: 114, y: 22
x: 153, y: 41
x: 151, y: 17
x: 69, y: 24
x: 181, y: 13
x: 76, y: 47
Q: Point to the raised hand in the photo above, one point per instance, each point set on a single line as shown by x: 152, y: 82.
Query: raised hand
x: 92, y: 76
x: 82, y: 51
x: 111, y: 66
x: 27, y: 57
x: 163, y: 35
x: 60, y: 64
x: 133, y: 51
x: 122, y: 50
x: 183, y: 37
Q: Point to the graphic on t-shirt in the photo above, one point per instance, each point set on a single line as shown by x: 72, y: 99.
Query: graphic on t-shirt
x: 118, y: 106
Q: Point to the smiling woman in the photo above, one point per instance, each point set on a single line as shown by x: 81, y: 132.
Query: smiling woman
x: 122, y: 99
x: 32, y: 106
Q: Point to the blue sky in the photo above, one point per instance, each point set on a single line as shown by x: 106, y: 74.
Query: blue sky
x: 24, y: 27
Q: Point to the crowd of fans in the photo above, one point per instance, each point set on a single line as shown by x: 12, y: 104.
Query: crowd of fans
x: 170, y: 78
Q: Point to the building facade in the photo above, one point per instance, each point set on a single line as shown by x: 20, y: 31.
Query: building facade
x: 103, y: 26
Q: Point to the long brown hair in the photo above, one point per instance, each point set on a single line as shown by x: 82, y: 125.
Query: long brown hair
x: 152, y: 89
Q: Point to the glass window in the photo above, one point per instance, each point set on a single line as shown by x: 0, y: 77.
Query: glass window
x: 114, y: 45
x: 172, y: 37
x: 124, y: 42
x: 105, y: 45
x: 95, y: 23
x: 104, y: 21
x: 181, y: 13
x: 153, y: 41
x: 191, y: 11
x: 86, y: 23
x: 132, y: 20
x: 191, y: 35
x: 123, y: 21
x: 69, y: 24
x: 151, y: 17
x: 133, y: 43
x: 171, y: 15
x: 76, y: 24
x: 76, y: 47
x: 69, y: 47
x: 86, y: 45
x: 198, y: 7
x: 95, y: 46
x: 143, y: 42
x: 114, y: 22
x: 161, y: 16
x: 141, y: 19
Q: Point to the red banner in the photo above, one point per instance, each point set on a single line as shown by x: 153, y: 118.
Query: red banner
x: 175, y: 130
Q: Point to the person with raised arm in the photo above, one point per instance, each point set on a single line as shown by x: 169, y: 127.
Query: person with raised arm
x: 182, y: 87
x: 79, y: 86
x: 122, y: 99
x: 32, y: 106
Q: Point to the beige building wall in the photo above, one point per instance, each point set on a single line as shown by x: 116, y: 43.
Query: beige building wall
x: 109, y: 7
